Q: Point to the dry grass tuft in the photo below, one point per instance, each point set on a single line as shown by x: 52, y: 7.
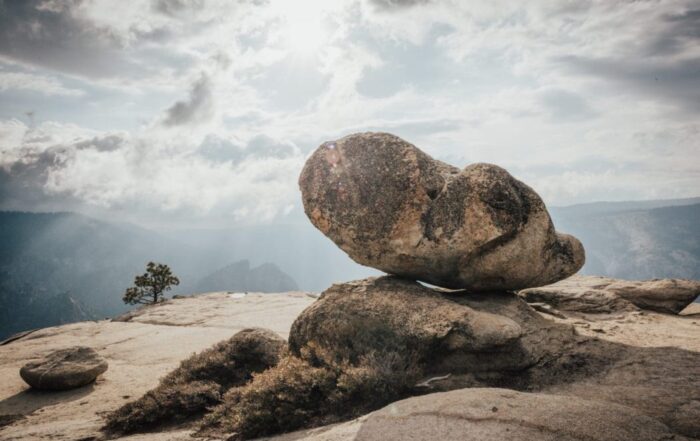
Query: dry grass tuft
x: 296, y: 394
x: 199, y: 382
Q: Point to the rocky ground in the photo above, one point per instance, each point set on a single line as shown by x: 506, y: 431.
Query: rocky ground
x: 145, y: 346
x: 139, y: 351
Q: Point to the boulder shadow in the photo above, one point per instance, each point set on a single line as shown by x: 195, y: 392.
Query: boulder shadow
x: 30, y: 400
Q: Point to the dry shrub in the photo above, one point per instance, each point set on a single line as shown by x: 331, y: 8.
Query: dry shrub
x: 286, y: 397
x: 164, y: 404
x: 249, y: 394
x: 199, y: 382
x: 296, y: 394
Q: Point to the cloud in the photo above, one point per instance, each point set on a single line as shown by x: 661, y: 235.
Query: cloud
x: 35, y: 83
x: 223, y: 149
x: 198, y: 107
x: 563, y: 105
x: 53, y: 34
x: 674, y: 82
x: 390, y: 5
x: 147, y: 176
x: 223, y: 94
x: 176, y: 7
x: 680, y: 32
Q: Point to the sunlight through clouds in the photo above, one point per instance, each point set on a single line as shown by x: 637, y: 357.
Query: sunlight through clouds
x: 91, y: 91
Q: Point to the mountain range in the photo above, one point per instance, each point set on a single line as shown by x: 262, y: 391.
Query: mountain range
x: 64, y: 267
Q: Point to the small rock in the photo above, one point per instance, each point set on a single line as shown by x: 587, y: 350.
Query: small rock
x: 64, y: 369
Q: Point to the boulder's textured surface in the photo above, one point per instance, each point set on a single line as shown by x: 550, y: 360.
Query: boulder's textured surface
x: 594, y: 294
x: 487, y: 414
x: 437, y: 330
x: 390, y: 206
x: 64, y: 369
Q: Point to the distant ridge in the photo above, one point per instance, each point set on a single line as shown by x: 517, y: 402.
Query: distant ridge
x: 239, y: 276
x: 636, y: 240
x: 609, y: 206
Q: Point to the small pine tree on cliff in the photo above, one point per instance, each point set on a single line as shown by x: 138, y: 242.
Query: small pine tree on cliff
x: 150, y: 287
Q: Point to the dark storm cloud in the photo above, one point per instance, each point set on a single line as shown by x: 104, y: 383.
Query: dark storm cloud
x: 677, y: 33
x: 197, y: 107
x: 661, y: 64
x: 674, y: 81
x: 52, y: 34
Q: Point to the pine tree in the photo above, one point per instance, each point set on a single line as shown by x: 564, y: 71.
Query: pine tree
x: 150, y: 287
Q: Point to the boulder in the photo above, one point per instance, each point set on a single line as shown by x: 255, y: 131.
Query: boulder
x: 64, y: 369
x: 438, y: 331
x: 491, y: 414
x: 390, y: 206
x: 594, y: 294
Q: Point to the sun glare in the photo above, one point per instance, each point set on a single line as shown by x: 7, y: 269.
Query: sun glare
x: 303, y: 30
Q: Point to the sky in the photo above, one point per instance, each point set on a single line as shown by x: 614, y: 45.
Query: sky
x: 202, y: 113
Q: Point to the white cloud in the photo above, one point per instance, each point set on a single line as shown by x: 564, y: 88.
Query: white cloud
x: 35, y: 83
x: 147, y: 174
x: 583, y: 100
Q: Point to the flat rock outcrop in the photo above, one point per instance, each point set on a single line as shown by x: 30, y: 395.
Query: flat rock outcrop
x: 390, y: 206
x: 645, y: 362
x: 594, y: 294
x: 64, y: 369
x: 491, y: 414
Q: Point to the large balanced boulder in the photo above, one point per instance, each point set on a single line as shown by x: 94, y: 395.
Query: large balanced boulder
x: 64, y: 369
x: 390, y: 206
x: 595, y: 294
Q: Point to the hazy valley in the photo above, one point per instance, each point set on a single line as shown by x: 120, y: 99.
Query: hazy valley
x: 63, y: 267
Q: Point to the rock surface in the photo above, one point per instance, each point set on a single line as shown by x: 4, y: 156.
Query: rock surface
x: 644, y: 361
x: 394, y: 315
x: 64, y: 369
x: 489, y: 414
x: 594, y: 294
x: 390, y: 206
x: 462, y: 339
x: 140, y: 352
